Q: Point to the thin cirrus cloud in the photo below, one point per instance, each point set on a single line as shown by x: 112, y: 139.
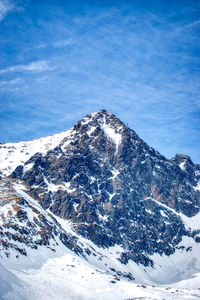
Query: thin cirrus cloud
x: 9, y: 82
x: 37, y: 66
x: 56, y: 44
x: 188, y: 26
x: 62, y: 43
x: 5, y: 7
x: 197, y: 22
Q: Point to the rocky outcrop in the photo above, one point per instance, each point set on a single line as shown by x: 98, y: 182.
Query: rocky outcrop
x: 24, y: 225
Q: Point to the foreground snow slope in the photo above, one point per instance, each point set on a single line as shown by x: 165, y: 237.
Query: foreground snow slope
x: 71, y: 277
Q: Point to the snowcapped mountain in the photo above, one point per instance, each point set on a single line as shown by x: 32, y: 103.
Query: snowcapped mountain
x: 102, y: 193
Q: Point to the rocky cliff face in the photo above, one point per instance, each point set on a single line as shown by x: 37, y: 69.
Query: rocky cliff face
x: 24, y: 225
x: 115, y: 189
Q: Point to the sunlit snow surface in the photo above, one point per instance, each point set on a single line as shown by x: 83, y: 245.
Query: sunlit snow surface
x: 111, y: 133
x: 15, y: 154
x: 70, y: 277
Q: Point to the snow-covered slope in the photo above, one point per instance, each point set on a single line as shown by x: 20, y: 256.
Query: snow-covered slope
x: 15, y: 154
x: 68, y: 276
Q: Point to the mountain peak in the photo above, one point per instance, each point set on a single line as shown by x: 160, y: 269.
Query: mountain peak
x: 101, y: 116
x: 113, y: 188
x: 183, y: 161
x: 102, y: 122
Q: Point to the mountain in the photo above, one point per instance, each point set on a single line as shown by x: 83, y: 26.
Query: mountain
x: 104, y: 194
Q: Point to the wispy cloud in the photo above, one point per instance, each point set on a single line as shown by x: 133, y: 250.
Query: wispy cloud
x: 56, y: 44
x: 195, y: 23
x: 37, y: 66
x: 9, y: 82
x: 188, y: 26
x: 5, y: 7
x: 62, y: 43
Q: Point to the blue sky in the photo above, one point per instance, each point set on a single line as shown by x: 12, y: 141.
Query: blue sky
x: 60, y: 60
